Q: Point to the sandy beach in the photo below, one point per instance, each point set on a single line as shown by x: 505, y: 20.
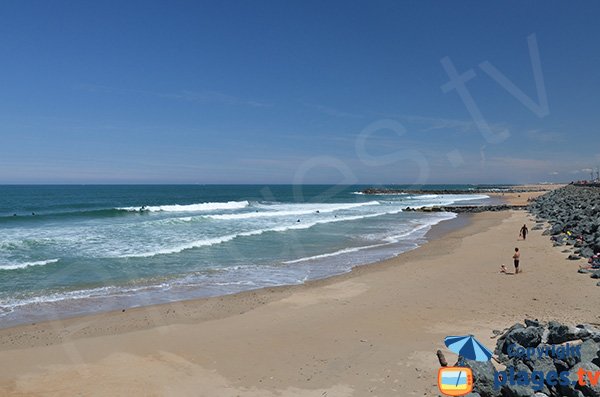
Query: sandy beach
x: 371, y: 332
x: 299, y: 199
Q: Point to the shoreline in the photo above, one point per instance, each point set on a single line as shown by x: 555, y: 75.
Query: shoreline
x: 62, y: 314
x: 507, y: 198
x: 372, y: 331
x: 436, y: 231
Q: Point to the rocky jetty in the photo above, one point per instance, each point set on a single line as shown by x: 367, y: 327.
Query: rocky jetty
x: 573, y: 213
x: 475, y: 190
x: 537, y: 351
x: 469, y: 209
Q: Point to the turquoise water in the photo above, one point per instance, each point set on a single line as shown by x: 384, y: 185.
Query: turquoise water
x: 66, y: 250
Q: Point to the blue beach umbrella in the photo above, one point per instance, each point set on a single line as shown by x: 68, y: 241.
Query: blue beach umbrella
x: 468, y: 347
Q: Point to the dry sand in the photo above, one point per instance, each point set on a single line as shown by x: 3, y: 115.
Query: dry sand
x: 372, y: 332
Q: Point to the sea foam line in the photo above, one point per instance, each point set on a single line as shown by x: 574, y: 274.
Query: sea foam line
x: 335, y: 253
x: 229, y: 205
x: 100, y: 292
x: 322, y: 208
x: 27, y: 264
x: 226, y: 238
x: 389, y: 240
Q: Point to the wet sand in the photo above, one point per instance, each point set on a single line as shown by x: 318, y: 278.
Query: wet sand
x: 373, y: 331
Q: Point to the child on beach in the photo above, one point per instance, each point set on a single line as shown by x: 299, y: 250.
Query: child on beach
x: 516, y: 258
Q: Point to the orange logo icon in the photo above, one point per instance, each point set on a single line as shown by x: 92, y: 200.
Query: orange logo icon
x: 455, y: 381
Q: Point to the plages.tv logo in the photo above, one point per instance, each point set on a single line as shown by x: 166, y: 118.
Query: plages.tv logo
x: 458, y: 380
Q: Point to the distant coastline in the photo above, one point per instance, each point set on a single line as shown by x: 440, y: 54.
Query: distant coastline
x: 474, y: 190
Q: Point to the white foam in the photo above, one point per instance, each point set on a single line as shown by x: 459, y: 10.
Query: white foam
x: 389, y: 240
x: 100, y: 292
x: 383, y: 193
x: 27, y: 264
x: 251, y: 275
x: 182, y: 247
x: 469, y: 197
x: 442, y: 216
x: 173, y: 221
x: 200, y: 207
x: 318, y: 206
x: 447, y: 199
x: 226, y: 238
x: 335, y: 253
x: 293, y: 210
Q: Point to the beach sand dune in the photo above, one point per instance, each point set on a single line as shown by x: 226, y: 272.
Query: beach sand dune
x: 372, y: 332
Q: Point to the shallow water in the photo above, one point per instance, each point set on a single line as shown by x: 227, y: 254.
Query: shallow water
x: 67, y: 250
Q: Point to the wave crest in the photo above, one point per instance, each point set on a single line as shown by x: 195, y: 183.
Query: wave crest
x: 292, y: 209
x: 229, y: 205
x: 24, y: 265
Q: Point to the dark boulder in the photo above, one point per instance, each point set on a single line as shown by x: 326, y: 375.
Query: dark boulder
x: 526, y: 337
x: 483, y: 377
x: 587, y: 389
x: 557, y: 229
x: 532, y: 323
x: 586, y: 252
x: 590, y: 352
x: 512, y: 388
x: 560, y: 333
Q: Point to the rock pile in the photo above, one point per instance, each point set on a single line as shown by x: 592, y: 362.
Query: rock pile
x: 469, y: 209
x: 574, y: 215
x: 571, y: 209
x: 474, y: 190
x: 547, y: 343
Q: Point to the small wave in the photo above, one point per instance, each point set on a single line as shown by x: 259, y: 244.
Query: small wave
x: 173, y: 221
x: 470, y: 197
x: 91, y: 213
x: 336, y: 253
x: 322, y: 207
x: 382, y: 193
x: 227, y: 238
x: 229, y: 205
x: 183, y: 247
x: 442, y: 216
x: 444, y: 200
x: 8, y: 305
x: 24, y: 265
x: 287, y: 210
x: 388, y: 240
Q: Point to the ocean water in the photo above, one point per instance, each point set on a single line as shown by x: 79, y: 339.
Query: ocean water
x: 68, y: 250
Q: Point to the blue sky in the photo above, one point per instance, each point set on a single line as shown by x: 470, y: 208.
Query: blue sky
x: 295, y: 92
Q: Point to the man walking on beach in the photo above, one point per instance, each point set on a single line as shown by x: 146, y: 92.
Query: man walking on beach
x: 524, y: 232
x: 516, y: 258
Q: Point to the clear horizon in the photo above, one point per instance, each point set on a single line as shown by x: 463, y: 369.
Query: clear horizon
x: 298, y: 93
x: 276, y: 184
